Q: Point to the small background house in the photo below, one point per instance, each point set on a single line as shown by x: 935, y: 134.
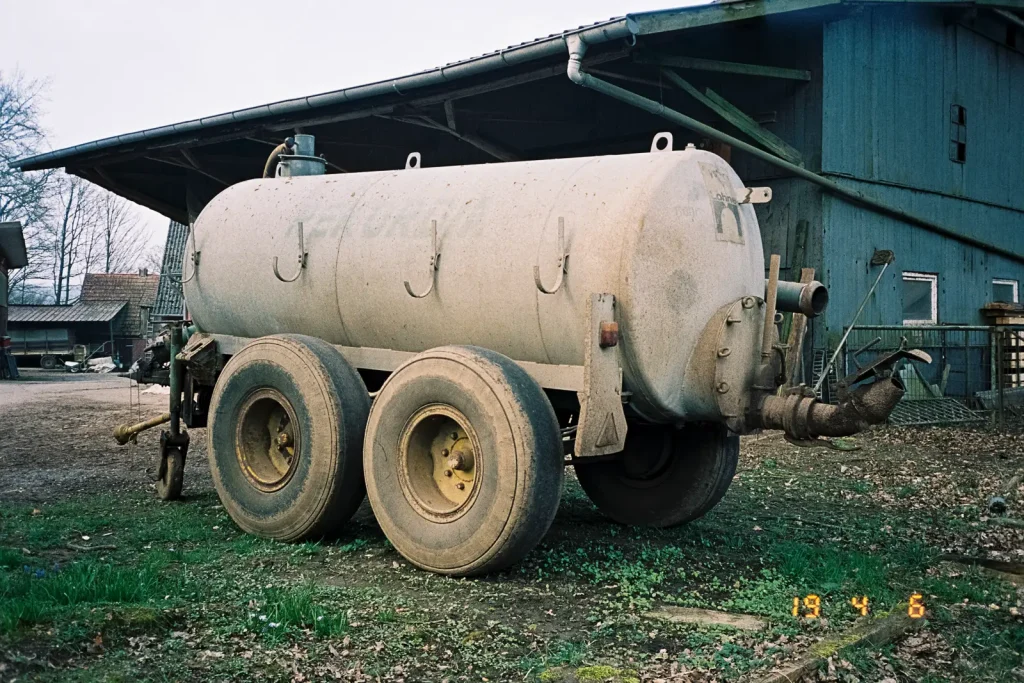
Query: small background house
x: 131, y: 326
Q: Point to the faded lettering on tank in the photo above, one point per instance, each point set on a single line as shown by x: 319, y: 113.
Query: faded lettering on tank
x: 724, y: 207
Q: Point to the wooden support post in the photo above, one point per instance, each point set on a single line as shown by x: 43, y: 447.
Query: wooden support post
x: 795, y: 343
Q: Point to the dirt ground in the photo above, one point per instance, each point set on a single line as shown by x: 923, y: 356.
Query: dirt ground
x: 176, y: 592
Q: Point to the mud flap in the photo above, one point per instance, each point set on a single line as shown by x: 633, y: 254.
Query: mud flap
x: 602, y: 423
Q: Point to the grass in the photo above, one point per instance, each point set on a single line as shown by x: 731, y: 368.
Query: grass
x: 284, y: 611
x: 36, y: 594
x: 183, y: 581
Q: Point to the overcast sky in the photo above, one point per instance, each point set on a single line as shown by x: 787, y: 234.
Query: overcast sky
x: 120, y: 66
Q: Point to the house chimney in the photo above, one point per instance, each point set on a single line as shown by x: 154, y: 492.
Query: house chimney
x: 143, y: 272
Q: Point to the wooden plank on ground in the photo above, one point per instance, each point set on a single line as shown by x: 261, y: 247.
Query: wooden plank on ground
x: 707, y: 617
x: 878, y: 632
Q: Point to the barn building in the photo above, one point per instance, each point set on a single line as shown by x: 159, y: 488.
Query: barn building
x: 110, y: 318
x: 898, y: 124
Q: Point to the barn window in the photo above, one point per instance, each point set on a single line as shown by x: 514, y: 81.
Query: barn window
x: 920, y: 298
x: 1005, y: 291
x: 957, y: 133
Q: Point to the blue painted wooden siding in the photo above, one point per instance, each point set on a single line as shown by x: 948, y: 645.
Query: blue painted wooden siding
x: 890, y: 76
x: 851, y: 234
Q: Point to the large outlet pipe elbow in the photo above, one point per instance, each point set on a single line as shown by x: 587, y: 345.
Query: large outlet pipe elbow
x: 804, y: 417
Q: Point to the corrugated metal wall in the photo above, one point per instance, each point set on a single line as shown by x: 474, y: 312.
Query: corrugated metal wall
x: 891, y: 75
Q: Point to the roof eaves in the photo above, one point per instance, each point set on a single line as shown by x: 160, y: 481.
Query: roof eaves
x: 79, y: 312
x: 664, y: 21
x: 601, y: 32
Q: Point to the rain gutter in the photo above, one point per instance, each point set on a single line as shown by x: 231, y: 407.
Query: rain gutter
x: 577, y: 45
x: 613, y: 29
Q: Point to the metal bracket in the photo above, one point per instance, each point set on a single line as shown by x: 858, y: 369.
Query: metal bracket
x: 563, y: 262
x: 602, y: 424
x: 303, y: 256
x: 756, y: 195
x: 662, y: 142
x: 414, y: 160
x: 435, y: 262
x: 201, y: 358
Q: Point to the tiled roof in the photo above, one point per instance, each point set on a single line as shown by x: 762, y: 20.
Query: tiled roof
x: 137, y: 290
x: 169, y: 300
x: 81, y: 312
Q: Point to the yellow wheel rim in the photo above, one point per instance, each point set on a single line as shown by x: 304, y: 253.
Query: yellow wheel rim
x: 439, y: 462
x: 267, y: 439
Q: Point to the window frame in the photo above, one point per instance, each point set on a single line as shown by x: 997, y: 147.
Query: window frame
x: 933, y: 279
x: 1006, y: 282
x: 958, y: 133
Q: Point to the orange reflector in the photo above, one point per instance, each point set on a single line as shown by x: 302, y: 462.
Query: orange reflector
x: 609, y: 334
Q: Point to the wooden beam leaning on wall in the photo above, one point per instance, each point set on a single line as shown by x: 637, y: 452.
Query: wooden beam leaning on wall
x: 731, y: 113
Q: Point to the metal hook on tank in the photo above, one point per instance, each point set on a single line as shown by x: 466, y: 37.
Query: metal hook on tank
x: 563, y: 263
x: 303, y: 256
x: 435, y: 261
x: 195, y: 259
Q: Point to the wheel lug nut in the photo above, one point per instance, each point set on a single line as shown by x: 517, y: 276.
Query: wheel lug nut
x: 444, y: 452
x: 460, y: 486
x: 447, y: 473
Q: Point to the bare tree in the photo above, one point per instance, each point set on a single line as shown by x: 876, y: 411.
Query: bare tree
x: 23, y: 196
x: 71, y: 226
x: 153, y: 258
x: 71, y: 231
x: 122, y: 244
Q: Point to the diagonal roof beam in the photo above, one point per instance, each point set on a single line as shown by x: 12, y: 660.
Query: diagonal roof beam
x: 484, y: 145
x: 741, y: 120
x: 100, y: 177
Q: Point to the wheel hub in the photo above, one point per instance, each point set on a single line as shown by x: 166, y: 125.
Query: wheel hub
x: 267, y: 439
x: 439, y: 461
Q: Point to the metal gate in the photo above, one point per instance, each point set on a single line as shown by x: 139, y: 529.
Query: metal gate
x: 976, y: 372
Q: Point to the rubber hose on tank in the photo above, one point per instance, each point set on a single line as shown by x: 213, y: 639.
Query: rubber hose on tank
x: 268, y: 168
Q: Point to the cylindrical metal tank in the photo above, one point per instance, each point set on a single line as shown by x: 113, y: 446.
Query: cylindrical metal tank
x: 663, y: 231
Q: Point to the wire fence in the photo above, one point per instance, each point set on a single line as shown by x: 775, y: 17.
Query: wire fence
x: 976, y: 373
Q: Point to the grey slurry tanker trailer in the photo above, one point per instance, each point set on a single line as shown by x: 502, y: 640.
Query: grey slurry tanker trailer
x: 446, y: 340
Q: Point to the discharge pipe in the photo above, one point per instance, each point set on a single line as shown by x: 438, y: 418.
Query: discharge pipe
x: 577, y: 48
x: 797, y: 297
x: 803, y: 417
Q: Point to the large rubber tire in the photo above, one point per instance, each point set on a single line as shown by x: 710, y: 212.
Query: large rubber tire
x: 48, y: 362
x: 323, y: 483
x: 513, y: 486
x: 665, y: 476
